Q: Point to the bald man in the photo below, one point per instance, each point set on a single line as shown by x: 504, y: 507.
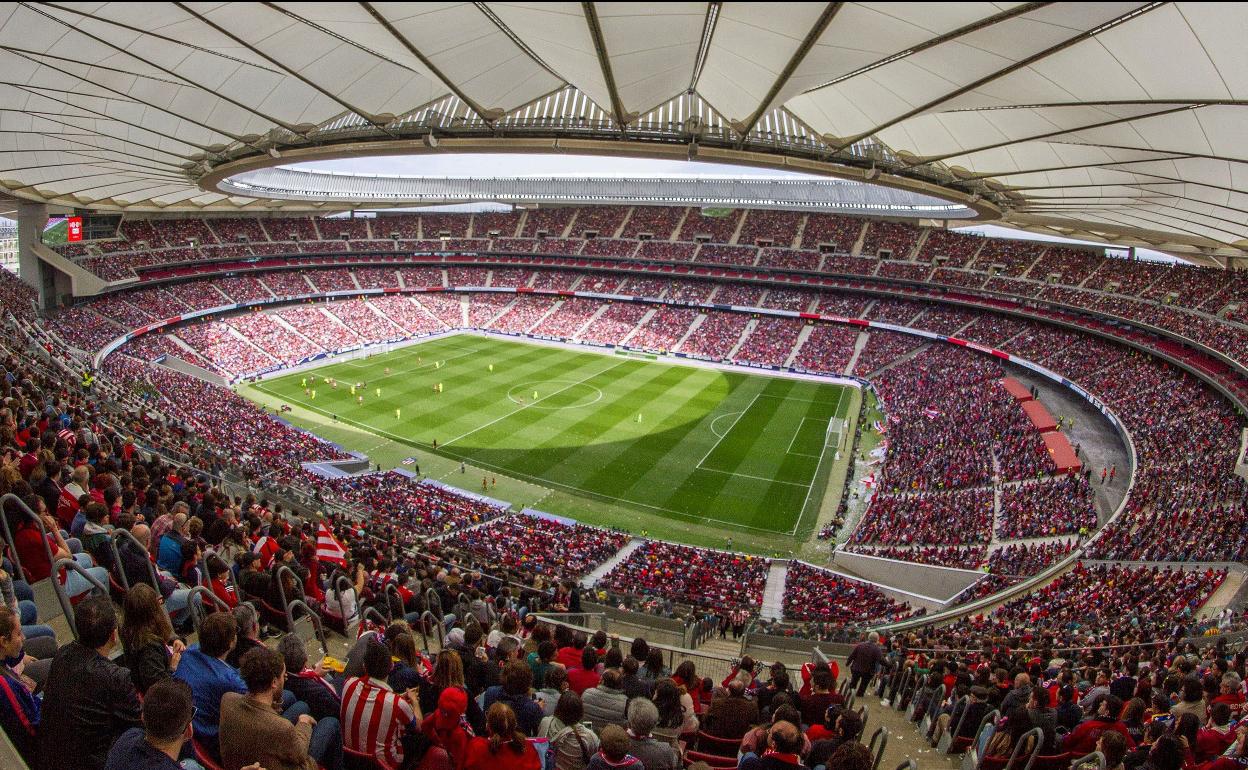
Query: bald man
x: 784, y: 744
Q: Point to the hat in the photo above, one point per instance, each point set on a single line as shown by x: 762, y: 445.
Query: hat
x: 452, y: 704
x: 456, y: 637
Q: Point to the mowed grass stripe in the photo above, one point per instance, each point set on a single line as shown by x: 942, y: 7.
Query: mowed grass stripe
x: 597, y: 450
x: 624, y: 449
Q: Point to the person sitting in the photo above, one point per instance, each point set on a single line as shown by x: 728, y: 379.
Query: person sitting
x: 606, y: 703
x: 374, y: 717
x: 252, y: 730
x: 848, y: 729
x: 88, y: 701
x: 1007, y: 737
x: 556, y: 683
x: 613, y: 751
x: 1105, y: 711
x: 849, y: 756
x: 445, y: 727
x: 1217, y: 735
x: 248, y: 623
x: 584, y: 676
x: 505, y: 748
x: 152, y: 652
x: 516, y: 681
x: 573, y: 743
x: 203, y: 667
x: 168, y: 708
x: 816, y: 703
x: 308, y: 685
x: 653, y: 753
x: 169, y: 547
x: 967, y: 724
x: 783, y: 751
x: 731, y: 715
x: 19, y: 708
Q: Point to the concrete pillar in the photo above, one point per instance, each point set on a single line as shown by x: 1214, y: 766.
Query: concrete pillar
x: 31, y: 219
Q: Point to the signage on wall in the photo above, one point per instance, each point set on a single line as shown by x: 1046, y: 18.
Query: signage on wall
x: 73, y: 229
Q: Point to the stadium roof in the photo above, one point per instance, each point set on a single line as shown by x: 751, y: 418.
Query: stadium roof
x: 1114, y: 121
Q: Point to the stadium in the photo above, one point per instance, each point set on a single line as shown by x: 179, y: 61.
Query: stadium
x: 563, y: 386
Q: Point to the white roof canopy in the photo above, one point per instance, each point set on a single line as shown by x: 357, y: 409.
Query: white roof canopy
x: 1118, y: 121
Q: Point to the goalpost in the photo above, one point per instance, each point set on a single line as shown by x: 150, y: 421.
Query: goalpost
x: 837, y: 438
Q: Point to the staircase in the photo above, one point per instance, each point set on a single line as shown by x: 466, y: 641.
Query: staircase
x: 859, y: 344
x: 589, y: 580
x: 773, y: 594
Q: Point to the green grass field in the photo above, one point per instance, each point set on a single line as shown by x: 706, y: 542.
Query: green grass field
x: 716, y: 454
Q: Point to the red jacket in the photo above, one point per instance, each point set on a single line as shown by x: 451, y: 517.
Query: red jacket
x: 480, y: 758
x: 1082, y: 740
x: 580, y: 679
x: 1210, y: 743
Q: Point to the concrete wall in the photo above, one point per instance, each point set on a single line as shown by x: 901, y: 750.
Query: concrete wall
x: 939, y: 584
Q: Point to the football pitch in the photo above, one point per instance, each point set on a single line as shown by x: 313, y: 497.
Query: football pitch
x: 615, y: 440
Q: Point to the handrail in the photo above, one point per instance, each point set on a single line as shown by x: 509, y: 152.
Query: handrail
x: 317, y: 626
x: 196, y: 609
x: 1095, y: 756
x: 337, y: 579
x: 7, y: 498
x: 424, y: 635
x: 882, y: 734
x: 63, y: 597
x: 290, y: 605
x: 125, y: 534
x: 432, y: 600
x: 965, y: 703
x: 387, y: 591
x: 1035, y: 733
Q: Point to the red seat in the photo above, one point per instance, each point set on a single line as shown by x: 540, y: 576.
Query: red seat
x: 203, y: 757
x: 1052, y: 761
x: 720, y: 747
x: 358, y: 760
x: 715, y: 761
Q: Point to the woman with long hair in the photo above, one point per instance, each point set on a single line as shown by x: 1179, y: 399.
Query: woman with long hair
x: 407, y: 665
x: 574, y: 744
x: 505, y: 747
x: 151, y: 650
x: 675, y: 707
x: 686, y: 676
x: 448, y: 671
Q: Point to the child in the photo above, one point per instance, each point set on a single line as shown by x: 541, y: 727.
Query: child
x: 613, y: 751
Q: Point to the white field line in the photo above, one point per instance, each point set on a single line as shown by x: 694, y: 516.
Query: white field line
x: 532, y: 403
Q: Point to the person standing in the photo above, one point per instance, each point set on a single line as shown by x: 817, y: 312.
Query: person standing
x: 863, y: 660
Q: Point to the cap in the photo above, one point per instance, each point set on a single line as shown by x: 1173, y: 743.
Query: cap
x: 452, y: 704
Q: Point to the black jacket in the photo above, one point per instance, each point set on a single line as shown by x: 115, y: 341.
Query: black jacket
x: 88, y: 702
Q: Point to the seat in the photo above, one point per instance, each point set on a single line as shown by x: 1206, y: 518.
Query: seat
x: 1052, y: 761
x: 720, y: 747
x: 203, y: 757
x: 358, y: 760
x: 713, y: 760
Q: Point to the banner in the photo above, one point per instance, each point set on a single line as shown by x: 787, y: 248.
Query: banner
x: 73, y: 229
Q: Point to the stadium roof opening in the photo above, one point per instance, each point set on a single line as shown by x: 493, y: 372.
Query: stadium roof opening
x: 526, y: 179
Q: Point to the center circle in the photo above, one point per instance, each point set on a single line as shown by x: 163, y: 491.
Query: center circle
x: 523, y: 394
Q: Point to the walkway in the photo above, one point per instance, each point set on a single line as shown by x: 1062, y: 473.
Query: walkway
x: 773, y: 595
x: 610, y: 564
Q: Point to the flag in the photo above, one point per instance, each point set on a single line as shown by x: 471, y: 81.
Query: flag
x: 409, y: 460
x: 328, y: 548
x: 931, y: 412
x: 869, y: 481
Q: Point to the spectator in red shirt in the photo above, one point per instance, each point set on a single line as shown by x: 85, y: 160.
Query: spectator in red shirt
x: 584, y: 676
x: 1082, y: 740
x: 505, y: 748
x: 1217, y: 734
x: 446, y: 728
